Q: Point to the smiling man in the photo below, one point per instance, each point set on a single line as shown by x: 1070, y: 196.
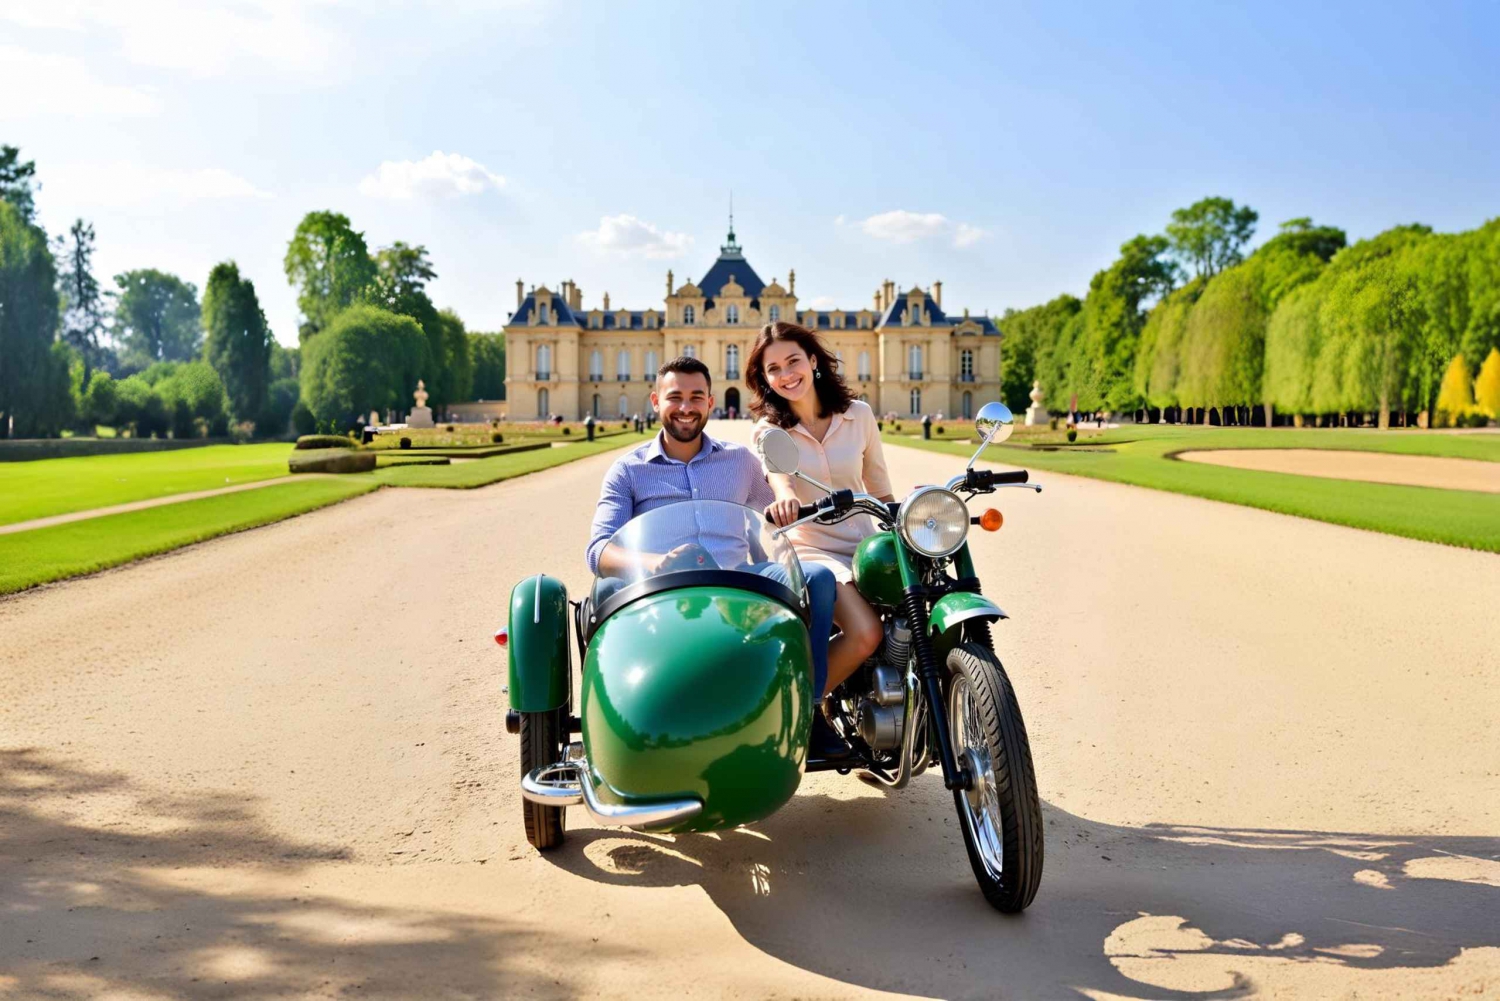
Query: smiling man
x: 682, y: 463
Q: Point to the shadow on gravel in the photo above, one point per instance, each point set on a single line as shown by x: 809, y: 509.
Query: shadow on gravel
x: 876, y: 891
x: 169, y: 897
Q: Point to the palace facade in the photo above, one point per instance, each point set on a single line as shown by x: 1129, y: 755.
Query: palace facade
x: 902, y: 354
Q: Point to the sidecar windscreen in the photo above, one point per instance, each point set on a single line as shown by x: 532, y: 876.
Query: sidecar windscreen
x: 697, y: 542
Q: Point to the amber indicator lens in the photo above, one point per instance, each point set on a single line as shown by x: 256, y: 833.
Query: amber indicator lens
x: 991, y: 520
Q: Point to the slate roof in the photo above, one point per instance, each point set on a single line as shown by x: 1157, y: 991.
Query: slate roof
x: 734, y: 265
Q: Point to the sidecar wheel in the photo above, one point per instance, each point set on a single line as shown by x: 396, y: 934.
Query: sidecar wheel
x: 541, y: 745
x: 1001, y: 815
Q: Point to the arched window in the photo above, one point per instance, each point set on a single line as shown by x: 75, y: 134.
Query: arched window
x: 732, y: 362
x: 864, y: 366
x: 689, y: 351
x: 774, y: 316
x: 543, y: 404
x: 731, y: 314
x: 622, y: 366
x: 916, y: 402
x: 542, y: 312
x: 914, y: 362
x: 624, y: 405
x: 544, y: 362
x: 966, y: 366
x: 968, y: 404
x: 688, y: 316
x: 650, y: 372
x: 596, y: 367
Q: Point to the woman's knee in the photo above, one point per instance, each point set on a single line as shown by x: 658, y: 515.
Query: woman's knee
x: 863, y: 626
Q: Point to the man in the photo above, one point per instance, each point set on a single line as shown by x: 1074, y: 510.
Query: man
x: 683, y: 463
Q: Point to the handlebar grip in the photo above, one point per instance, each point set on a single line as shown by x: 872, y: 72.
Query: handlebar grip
x: 803, y: 511
x: 1018, y: 476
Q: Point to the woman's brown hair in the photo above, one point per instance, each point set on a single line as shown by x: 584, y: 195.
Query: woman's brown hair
x: 833, y: 394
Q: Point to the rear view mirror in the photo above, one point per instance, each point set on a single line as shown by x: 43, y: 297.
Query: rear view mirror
x: 780, y: 452
x: 994, y: 422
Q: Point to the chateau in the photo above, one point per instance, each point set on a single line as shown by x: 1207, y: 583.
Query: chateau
x: 901, y: 354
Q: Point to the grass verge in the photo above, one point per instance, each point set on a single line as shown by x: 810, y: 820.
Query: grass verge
x: 481, y: 472
x: 1141, y: 457
x: 47, y: 487
x: 49, y: 554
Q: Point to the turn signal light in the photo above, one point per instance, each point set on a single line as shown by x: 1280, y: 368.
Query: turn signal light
x: 502, y: 636
x: 991, y: 520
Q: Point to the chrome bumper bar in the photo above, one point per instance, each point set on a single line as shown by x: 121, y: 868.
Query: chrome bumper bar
x: 567, y: 783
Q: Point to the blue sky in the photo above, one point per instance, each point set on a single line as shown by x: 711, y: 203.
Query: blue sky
x: 1006, y: 149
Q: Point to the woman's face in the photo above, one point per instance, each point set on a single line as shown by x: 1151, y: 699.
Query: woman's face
x: 788, y: 370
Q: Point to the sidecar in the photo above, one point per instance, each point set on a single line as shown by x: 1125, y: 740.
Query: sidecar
x: 695, y: 691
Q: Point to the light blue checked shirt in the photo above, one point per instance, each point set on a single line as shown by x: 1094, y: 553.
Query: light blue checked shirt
x: 646, y: 478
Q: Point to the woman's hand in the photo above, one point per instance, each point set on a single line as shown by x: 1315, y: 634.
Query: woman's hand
x: 783, y: 512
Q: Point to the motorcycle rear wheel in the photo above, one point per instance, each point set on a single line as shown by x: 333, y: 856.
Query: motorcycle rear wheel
x: 541, y: 745
x: 1001, y: 816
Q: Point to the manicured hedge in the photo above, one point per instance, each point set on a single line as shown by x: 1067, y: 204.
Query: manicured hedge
x: 325, y: 441
x: 331, y: 460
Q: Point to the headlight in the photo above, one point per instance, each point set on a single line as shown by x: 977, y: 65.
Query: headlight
x: 933, y: 521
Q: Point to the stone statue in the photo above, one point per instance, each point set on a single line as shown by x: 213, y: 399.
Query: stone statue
x: 1036, y: 413
x: 421, y: 414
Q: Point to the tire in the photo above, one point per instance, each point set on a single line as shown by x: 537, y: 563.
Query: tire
x: 541, y: 744
x: 982, y: 710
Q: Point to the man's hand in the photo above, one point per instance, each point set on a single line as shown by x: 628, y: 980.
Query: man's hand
x: 783, y: 512
x: 688, y: 556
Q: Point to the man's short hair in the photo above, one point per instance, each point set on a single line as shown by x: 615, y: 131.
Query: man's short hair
x: 686, y: 364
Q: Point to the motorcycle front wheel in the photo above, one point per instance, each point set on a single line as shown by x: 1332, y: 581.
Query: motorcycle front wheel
x: 541, y: 745
x: 1000, y: 814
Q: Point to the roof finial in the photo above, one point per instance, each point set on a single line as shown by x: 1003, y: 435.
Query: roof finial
x: 730, y: 249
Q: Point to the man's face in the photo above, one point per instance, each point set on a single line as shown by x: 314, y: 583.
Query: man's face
x: 682, y: 401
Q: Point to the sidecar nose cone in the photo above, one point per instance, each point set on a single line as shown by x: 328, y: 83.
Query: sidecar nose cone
x: 705, y: 692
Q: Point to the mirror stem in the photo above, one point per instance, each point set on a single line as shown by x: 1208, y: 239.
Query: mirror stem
x: 808, y: 479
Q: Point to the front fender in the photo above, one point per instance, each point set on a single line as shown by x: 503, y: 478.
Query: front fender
x: 961, y: 606
x: 540, y: 671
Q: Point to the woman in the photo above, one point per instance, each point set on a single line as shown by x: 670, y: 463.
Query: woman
x: 796, y: 385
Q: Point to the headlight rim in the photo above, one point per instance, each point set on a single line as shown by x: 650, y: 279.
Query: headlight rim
x: 905, y: 509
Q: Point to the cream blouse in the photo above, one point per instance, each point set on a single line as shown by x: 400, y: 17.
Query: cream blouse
x: 848, y: 458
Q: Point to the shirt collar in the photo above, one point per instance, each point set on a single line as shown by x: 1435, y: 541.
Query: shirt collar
x: 655, y: 453
x: 833, y: 424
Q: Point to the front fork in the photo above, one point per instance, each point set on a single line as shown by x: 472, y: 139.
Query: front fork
x: 914, y: 604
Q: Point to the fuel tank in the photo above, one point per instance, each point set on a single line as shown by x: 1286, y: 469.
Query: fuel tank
x: 699, y: 691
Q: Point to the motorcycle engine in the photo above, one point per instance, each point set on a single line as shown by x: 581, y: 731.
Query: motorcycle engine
x: 882, y: 712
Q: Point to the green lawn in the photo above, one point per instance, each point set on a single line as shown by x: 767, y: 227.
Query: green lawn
x: 41, y: 555
x: 60, y: 486
x: 1141, y: 456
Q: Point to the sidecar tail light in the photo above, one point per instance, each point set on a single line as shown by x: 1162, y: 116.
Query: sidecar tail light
x: 502, y: 636
x: 991, y: 520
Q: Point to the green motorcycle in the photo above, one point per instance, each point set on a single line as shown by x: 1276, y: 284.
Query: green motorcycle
x: 696, y: 702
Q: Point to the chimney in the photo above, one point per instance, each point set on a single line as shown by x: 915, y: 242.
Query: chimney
x: 669, y: 283
x: 937, y: 294
x: 520, y: 295
x: 577, y: 297
x: 877, y: 300
x: 606, y: 302
x: 791, y: 282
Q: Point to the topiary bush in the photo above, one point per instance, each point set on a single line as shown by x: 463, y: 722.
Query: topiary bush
x: 1072, y: 436
x: 497, y: 438
x: 567, y: 430
x: 331, y: 460
x: 406, y: 443
x: 309, y: 441
x: 939, y: 429
x: 449, y: 429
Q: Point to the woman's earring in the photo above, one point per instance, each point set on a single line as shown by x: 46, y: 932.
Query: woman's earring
x: 817, y: 373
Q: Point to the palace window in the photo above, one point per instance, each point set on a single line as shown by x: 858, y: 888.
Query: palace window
x: 688, y: 351
x: 838, y: 362
x: 914, y: 362
x: 595, y: 411
x: 542, y: 314
x: 650, y: 373
x: 624, y: 405
x: 731, y: 314
x: 774, y: 316
x: 596, y: 366
x: 916, y: 402
x: 543, y: 403
x: 650, y: 321
x: 916, y: 313
x: 688, y: 316
x: 622, y: 366
x: 968, y: 405
x: 544, y: 362
x: 732, y: 362
x: 864, y: 366
x: 966, y: 367
x: 594, y: 321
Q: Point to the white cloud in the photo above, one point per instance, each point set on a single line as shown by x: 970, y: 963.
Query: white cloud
x: 825, y: 302
x: 441, y: 175
x: 125, y: 184
x: 190, y: 35
x: 631, y: 237
x: 901, y: 226
x: 33, y: 85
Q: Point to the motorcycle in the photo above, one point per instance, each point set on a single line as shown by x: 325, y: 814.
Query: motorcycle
x: 696, y: 701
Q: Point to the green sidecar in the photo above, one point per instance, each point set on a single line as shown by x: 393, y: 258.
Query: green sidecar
x: 696, y: 695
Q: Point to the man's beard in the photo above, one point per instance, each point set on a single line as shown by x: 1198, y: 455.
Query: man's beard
x: 672, y: 428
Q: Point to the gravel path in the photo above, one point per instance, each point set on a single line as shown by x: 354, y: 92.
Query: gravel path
x: 1372, y: 467
x: 273, y: 765
x: 141, y: 505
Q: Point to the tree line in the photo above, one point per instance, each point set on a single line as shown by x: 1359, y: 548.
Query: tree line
x: 151, y: 357
x: 1307, y: 329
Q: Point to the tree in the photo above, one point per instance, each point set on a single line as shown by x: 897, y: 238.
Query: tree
x: 1456, y: 399
x: 16, y: 182
x: 1031, y: 336
x: 459, y: 370
x: 285, y: 362
x: 330, y: 265
x: 1487, y: 386
x: 1103, y: 368
x: 139, y: 407
x: 488, y: 354
x: 81, y: 298
x: 100, y: 400
x: 1482, y: 260
x: 1301, y: 237
x: 28, y: 322
x: 239, y: 341
x: 1158, y: 360
x: 195, y: 400
x: 157, y: 317
x: 1209, y: 234
x: 367, y: 359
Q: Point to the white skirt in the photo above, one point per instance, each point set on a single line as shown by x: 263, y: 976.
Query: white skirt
x: 840, y: 565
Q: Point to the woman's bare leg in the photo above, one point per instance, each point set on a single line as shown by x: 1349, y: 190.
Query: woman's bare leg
x: 860, y: 634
